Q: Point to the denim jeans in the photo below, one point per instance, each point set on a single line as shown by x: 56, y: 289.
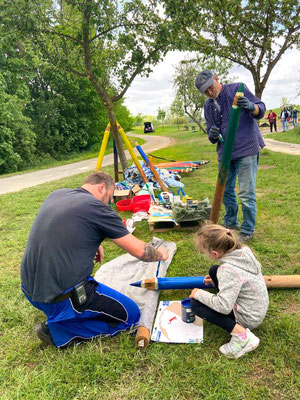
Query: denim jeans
x: 285, y: 125
x: 244, y: 169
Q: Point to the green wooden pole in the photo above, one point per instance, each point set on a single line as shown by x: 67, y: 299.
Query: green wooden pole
x: 232, y: 128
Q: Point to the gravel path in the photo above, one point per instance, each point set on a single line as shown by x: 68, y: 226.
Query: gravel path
x: 18, y: 182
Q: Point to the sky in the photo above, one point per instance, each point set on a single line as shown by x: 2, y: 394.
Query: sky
x: 146, y: 95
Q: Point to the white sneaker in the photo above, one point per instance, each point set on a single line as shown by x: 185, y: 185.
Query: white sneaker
x: 237, y: 347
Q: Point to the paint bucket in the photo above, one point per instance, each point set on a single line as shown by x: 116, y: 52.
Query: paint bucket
x: 187, y: 314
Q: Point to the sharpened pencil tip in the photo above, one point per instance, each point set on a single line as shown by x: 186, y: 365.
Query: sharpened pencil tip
x: 137, y: 284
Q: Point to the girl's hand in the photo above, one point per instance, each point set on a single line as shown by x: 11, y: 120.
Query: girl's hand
x: 208, y: 281
x: 192, y: 295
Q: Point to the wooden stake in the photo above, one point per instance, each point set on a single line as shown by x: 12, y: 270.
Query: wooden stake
x: 142, y: 337
x: 233, y: 125
x: 282, y: 281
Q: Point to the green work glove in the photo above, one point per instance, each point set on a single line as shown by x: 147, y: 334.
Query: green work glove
x: 245, y: 103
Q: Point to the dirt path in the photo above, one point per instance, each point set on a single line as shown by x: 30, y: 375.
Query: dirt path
x: 18, y: 182
x: 280, y: 147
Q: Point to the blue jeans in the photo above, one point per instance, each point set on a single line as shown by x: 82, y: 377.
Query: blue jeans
x: 244, y: 169
x: 285, y: 125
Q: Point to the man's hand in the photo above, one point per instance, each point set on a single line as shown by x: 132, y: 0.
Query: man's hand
x: 193, y: 294
x: 99, y: 255
x: 213, y: 132
x: 245, y: 103
x: 164, y: 253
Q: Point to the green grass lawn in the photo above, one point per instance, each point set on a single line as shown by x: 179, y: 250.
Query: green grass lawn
x: 292, y: 136
x: 113, y: 368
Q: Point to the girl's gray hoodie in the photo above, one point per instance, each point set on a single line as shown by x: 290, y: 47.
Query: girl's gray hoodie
x: 241, y: 288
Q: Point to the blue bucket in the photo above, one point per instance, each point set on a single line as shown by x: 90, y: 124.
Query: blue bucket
x: 187, y: 314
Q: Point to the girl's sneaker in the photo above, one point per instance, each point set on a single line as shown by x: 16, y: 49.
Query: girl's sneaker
x: 237, y: 347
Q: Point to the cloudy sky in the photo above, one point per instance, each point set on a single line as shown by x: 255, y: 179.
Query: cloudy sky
x: 147, y: 94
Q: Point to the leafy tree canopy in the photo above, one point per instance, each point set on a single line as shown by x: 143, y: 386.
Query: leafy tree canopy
x: 254, y: 33
x: 109, y: 42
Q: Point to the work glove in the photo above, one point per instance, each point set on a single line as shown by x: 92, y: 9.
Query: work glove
x: 245, y: 103
x: 213, y: 132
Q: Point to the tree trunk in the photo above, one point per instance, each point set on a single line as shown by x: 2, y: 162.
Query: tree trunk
x: 195, y: 120
x: 115, y: 133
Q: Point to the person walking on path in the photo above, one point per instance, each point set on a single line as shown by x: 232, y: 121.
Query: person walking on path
x: 249, y: 141
x: 57, y: 264
x: 242, y: 300
x: 294, y: 116
x: 272, y: 120
x: 284, y: 115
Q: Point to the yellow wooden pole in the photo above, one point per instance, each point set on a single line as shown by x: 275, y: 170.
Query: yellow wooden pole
x: 103, y: 147
x: 131, y: 152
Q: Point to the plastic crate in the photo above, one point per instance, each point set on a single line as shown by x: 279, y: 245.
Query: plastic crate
x: 141, y: 203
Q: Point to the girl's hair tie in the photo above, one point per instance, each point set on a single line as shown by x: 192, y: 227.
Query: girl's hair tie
x: 227, y: 230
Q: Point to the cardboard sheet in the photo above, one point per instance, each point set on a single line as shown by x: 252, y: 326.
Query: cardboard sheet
x: 169, y: 327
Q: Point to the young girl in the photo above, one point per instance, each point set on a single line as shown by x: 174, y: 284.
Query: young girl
x: 242, y: 299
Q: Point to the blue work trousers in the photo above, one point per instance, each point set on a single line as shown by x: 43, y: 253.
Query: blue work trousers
x: 105, y: 313
x: 244, y: 169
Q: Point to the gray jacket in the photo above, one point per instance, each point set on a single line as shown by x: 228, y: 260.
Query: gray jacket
x: 241, y: 288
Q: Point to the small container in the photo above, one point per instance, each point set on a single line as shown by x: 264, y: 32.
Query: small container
x: 187, y: 314
x: 124, y: 205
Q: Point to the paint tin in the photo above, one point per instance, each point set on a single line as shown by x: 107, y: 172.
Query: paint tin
x: 187, y: 314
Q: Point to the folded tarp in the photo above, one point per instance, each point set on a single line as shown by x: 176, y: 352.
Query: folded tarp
x: 123, y: 270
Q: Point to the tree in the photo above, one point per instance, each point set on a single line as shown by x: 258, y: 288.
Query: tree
x: 254, y: 34
x: 161, y: 114
x: 177, y: 111
x: 16, y: 136
x: 138, y: 119
x: 108, y: 42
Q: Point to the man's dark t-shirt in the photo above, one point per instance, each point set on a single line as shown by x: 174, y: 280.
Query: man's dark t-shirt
x: 63, y: 241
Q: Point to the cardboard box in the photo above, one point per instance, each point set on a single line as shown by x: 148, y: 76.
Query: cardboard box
x: 122, y: 195
x: 135, y: 189
x: 126, y: 194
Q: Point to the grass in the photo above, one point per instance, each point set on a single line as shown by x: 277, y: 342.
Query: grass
x: 112, y: 368
x: 292, y: 136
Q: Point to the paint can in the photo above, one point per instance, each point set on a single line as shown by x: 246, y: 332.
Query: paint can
x: 187, y: 314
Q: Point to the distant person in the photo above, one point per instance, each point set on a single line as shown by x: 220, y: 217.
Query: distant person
x: 272, y: 120
x: 242, y: 300
x: 249, y: 141
x: 284, y: 115
x: 58, y: 262
x: 294, y: 116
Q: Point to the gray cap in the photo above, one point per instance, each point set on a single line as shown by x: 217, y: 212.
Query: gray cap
x: 204, y: 80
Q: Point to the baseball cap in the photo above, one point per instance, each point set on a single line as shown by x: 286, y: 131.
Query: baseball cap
x: 204, y: 80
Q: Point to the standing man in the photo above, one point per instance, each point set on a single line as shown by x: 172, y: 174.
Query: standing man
x: 245, y: 155
x: 284, y: 115
x: 294, y: 116
x: 272, y: 120
x: 57, y: 264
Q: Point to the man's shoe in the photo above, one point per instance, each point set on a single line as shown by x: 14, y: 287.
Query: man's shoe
x: 43, y: 333
x: 244, y: 237
x: 237, y: 347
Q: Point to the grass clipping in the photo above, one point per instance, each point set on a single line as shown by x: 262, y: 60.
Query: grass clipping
x: 183, y: 213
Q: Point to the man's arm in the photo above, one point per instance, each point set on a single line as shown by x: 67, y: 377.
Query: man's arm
x: 141, y: 250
